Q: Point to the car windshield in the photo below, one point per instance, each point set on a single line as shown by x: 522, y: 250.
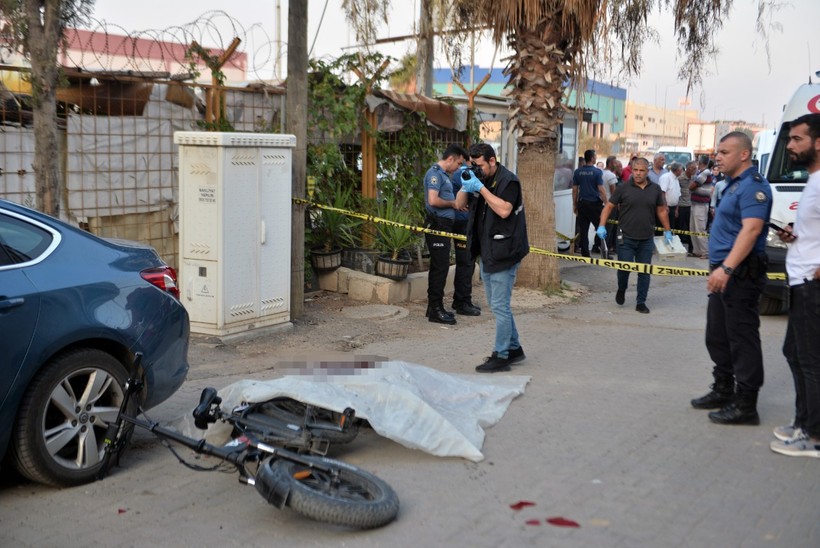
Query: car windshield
x: 679, y: 157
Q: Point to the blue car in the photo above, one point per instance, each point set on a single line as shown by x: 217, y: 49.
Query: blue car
x: 74, y: 309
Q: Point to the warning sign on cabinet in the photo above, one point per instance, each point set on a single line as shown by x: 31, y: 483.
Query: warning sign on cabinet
x: 207, y: 195
x: 204, y: 292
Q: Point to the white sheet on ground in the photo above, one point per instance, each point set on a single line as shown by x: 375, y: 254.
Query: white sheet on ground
x: 419, y: 407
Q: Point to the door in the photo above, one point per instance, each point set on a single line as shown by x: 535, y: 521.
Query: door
x: 21, y: 244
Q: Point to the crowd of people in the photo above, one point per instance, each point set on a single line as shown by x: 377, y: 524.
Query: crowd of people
x: 727, y: 197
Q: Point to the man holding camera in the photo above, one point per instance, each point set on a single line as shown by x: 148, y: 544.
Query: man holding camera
x: 439, y: 202
x: 737, y: 261
x: 497, y: 233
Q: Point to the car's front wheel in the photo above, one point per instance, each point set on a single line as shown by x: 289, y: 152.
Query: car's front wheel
x: 61, y: 424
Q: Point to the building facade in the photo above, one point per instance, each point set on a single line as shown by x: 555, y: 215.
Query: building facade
x: 649, y: 127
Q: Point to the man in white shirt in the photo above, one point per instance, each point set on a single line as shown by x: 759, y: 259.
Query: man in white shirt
x: 671, y: 190
x: 610, y: 182
x: 802, y: 344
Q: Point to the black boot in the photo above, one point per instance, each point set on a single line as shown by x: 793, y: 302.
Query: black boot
x: 722, y: 394
x: 436, y: 313
x: 741, y: 411
x: 467, y: 309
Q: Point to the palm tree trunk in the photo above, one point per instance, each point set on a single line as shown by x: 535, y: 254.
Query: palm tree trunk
x: 537, y: 72
x: 535, y: 169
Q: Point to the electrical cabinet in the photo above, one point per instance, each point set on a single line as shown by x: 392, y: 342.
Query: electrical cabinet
x: 235, y: 229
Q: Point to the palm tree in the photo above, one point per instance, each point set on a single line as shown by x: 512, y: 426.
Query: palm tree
x: 555, y: 43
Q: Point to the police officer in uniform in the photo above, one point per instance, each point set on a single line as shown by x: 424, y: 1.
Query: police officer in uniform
x: 738, y: 263
x: 465, y: 264
x: 439, y: 202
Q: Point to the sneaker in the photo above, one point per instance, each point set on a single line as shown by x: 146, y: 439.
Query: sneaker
x: 642, y: 308
x: 493, y: 364
x: 516, y: 355
x: 801, y: 447
x: 620, y: 296
x: 788, y: 433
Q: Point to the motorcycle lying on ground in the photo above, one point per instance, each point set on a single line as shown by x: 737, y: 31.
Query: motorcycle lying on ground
x: 278, y: 447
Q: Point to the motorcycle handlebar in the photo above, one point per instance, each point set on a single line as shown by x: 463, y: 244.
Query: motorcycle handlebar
x: 202, y: 414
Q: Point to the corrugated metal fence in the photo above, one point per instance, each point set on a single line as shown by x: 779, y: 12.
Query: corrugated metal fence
x: 118, y: 154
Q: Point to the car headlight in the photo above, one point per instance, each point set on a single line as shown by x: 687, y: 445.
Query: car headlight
x: 773, y: 240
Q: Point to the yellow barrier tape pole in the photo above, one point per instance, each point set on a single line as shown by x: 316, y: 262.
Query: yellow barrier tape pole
x: 640, y: 268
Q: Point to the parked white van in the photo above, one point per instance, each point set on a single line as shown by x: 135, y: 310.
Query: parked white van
x: 762, y: 146
x: 787, y: 184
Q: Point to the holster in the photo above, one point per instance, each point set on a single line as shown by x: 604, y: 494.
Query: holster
x: 753, y: 267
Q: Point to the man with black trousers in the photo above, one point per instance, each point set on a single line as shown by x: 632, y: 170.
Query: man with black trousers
x: 465, y: 264
x: 440, y: 204
x: 737, y: 260
x: 588, y: 197
x: 801, y: 438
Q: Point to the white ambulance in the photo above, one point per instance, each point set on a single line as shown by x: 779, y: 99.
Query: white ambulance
x: 787, y: 184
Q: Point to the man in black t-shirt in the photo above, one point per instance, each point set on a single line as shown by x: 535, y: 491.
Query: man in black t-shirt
x: 639, y: 202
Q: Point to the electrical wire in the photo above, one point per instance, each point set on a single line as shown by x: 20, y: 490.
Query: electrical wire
x: 315, y: 36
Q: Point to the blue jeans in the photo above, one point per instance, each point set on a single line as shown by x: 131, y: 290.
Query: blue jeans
x: 636, y: 251
x: 498, y: 286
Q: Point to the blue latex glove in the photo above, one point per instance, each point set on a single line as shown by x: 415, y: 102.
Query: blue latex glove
x: 601, y: 232
x: 471, y: 183
x: 667, y: 235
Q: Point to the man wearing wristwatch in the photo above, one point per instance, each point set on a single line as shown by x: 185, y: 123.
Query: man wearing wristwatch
x: 737, y: 261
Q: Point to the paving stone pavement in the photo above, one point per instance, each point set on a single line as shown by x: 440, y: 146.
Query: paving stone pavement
x: 604, y: 436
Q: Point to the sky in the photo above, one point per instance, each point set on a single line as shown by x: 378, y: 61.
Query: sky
x: 738, y: 85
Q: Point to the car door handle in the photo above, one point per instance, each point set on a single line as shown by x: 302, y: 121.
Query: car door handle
x: 6, y: 304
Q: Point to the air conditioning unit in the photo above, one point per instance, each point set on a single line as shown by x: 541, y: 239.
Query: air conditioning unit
x: 235, y: 221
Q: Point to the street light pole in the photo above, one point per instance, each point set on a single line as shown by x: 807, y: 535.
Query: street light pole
x: 664, y: 114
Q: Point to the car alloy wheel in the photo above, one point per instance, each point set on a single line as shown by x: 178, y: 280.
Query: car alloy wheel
x: 63, y: 417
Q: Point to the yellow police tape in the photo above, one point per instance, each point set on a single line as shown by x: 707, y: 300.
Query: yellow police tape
x: 615, y: 222
x: 640, y: 268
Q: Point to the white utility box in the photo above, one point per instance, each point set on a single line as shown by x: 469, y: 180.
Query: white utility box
x: 234, y: 238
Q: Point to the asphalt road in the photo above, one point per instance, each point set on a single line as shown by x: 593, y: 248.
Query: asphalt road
x: 603, y: 437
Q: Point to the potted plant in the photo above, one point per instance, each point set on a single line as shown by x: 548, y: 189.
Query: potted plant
x: 394, y: 241
x: 360, y: 253
x: 329, y: 230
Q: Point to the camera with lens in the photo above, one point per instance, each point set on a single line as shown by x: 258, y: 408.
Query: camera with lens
x: 476, y: 170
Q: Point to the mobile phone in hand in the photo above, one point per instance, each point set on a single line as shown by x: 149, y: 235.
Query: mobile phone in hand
x: 781, y: 229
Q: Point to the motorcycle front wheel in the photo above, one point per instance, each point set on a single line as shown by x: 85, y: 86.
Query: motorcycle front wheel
x: 344, y: 495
